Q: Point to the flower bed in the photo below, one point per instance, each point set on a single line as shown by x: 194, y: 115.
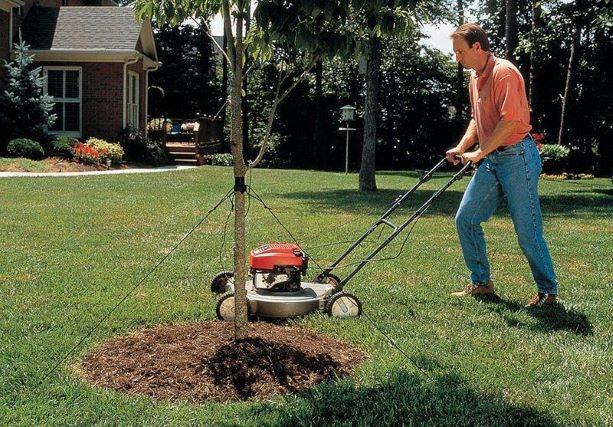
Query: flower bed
x: 97, y: 151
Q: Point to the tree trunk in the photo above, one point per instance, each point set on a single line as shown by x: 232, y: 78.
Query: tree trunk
x: 371, y: 112
x: 569, y: 73
x: 246, y: 145
x: 318, y: 128
x: 224, y: 89
x: 236, y: 145
x: 460, y: 91
x: 511, y: 29
x: 534, y: 62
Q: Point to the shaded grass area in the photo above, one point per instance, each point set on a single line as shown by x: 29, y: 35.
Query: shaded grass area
x: 70, y: 248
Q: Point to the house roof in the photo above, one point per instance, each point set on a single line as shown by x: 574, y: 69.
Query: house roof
x: 6, y: 5
x: 82, y: 28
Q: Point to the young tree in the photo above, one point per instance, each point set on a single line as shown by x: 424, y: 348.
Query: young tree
x: 25, y: 112
x: 304, y: 28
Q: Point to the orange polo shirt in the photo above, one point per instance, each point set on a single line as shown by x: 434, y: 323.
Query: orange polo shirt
x: 499, y: 94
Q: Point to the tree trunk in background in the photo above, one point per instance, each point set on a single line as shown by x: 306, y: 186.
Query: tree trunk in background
x: 371, y: 113
x: 571, y: 60
x: 604, y: 43
x: 511, y: 29
x: 246, y: 145
x: 460, y: 95
x: 533, y: 88
x: 224, y: 90
x: 318, y: 128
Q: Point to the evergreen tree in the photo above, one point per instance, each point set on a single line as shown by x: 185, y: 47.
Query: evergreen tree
x: 25, y: 112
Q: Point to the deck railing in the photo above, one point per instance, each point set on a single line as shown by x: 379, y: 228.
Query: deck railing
x: 205, y: 132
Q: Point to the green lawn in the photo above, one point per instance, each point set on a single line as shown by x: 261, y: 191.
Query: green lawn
x: 71, y: 247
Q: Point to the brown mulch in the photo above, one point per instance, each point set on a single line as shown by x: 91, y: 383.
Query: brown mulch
x: 56, y: 164
x: 201, y: 362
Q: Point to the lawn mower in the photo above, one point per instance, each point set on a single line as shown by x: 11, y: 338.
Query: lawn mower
x: 274, y: 286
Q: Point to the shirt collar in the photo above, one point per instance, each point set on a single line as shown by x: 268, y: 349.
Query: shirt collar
x: 489, y: 66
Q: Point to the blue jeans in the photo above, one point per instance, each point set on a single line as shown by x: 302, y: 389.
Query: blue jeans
x: 512, y: 173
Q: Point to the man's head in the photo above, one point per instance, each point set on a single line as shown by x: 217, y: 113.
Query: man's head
x: 471, y: 46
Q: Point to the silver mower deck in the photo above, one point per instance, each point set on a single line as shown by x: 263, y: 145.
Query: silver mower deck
x: 311, y: 297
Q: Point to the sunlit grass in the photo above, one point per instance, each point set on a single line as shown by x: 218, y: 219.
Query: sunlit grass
x: 70, y: 248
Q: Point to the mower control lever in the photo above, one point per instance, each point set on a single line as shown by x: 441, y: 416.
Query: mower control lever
x: 386, y: 222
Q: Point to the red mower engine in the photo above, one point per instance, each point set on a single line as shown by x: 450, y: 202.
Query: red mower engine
x: 277, y: 266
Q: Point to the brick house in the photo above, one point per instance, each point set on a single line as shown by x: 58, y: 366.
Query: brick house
x: 96, y: 58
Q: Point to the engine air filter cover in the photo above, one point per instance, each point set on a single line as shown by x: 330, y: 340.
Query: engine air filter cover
x: 273, y: 256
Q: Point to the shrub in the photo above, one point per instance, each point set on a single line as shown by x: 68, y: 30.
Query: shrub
x: 138, y: 149
x: 106, y: 150
x: 156, y: 155
x: 555, y: 158
x: 224, y: 159
x: 23, y: 147
x: 134, y: 144
x: 63, y: 147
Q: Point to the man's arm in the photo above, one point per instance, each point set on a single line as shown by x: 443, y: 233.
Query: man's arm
x: 468, y: 140
x: 504, y: 129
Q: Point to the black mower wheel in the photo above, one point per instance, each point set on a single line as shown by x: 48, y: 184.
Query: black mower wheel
x: 219, y: 282
x: 330, y: 279
x: 225, y: 307
x: 343, y: 304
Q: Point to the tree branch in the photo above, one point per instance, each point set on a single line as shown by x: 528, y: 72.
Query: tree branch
x: 273, y: 110
x: 227, y: 25
x: 208, y: 33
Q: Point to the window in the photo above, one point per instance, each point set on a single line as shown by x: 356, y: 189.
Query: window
x: 133, y: 99
x: 63, y: 84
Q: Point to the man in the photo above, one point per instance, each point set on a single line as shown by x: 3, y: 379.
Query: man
x: 510, y: 166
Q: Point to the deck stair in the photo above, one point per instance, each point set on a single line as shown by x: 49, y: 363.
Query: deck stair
x: 183, y: 153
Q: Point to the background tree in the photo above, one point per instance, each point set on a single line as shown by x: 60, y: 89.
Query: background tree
x: 536, y: 25
x: 461, y: 92
x: 187, y: 75
x: 510, y: 35
x: 374, y: 21
x: 588, y: 117
x: 25, y: 112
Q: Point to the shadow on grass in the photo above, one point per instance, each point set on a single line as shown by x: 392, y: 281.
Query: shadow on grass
x: 402, y: 398
x: 253, y: 365
x: 549, y: 319
x: 592, y: 203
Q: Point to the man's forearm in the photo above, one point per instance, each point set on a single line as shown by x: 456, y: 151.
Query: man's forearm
x: 504, y: 129
x: 470, y: 137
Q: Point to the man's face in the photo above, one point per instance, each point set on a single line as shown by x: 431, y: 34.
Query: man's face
x: 466, y: 55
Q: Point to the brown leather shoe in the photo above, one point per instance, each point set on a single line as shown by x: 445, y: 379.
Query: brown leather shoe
x: 475, y: 289
x: 541, y: 300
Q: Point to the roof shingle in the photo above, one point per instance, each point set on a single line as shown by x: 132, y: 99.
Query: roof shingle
x: 81, y: 28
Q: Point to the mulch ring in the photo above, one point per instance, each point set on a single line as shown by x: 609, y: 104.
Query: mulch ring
x: 201, y: 362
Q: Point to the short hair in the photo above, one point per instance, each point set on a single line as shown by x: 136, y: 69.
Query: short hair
x: 472, y: 33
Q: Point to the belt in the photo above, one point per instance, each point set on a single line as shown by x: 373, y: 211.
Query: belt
x: 506, y: 147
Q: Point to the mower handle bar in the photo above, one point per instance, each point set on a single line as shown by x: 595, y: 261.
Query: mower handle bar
x: 397, y: 229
